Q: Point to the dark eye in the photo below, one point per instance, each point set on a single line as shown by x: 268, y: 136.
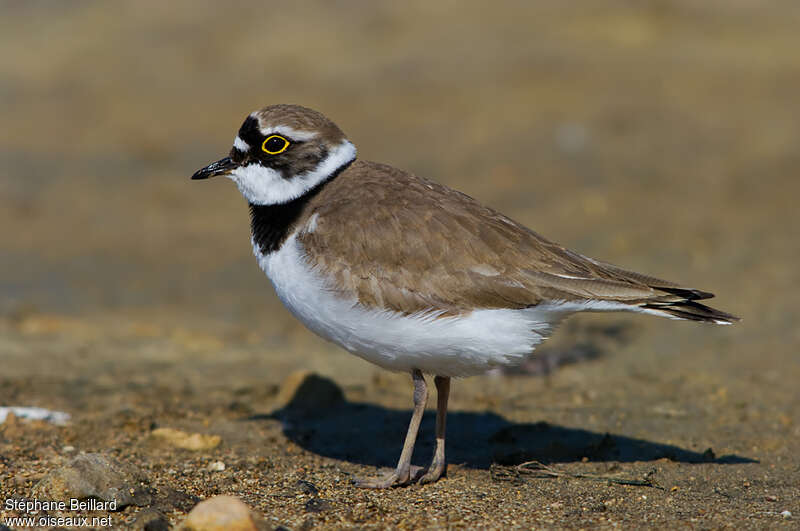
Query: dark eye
x: 275, y: 144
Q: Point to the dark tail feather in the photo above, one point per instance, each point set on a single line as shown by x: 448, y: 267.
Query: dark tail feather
x: 689, y: 294
x: 693, y: 311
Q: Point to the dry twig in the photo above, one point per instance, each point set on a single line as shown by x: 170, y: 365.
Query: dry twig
x: 538, y: 469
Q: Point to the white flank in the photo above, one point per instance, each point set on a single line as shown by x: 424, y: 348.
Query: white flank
x: 447, y: 346
x: 464, y: 345
x: 264, y: 186
x: 241, y: 145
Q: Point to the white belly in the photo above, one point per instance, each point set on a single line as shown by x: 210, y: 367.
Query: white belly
x: 447, y: 346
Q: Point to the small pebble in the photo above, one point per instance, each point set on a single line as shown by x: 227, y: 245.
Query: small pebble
x: 771, y: 497
x: 220, y: 513
x: 186, y: 441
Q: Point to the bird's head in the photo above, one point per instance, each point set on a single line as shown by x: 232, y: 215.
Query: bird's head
x: 281, y: 153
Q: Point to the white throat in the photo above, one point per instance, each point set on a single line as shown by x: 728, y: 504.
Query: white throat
x: 265, y: 186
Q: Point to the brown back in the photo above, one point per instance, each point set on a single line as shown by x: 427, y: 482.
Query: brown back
x: 401, y: 242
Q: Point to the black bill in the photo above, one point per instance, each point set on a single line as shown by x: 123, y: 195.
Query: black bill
x: 221, y: 167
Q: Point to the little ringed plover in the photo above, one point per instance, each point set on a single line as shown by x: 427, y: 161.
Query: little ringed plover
x: 410, y: 274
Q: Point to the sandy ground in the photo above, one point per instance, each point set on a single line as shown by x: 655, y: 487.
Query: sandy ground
x: 663, y: 138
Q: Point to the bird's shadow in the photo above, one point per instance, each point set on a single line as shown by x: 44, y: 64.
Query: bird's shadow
x: 372, y: 435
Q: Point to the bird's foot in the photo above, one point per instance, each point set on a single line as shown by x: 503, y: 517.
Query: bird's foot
x: 433, y: 473
x: 396, y: 478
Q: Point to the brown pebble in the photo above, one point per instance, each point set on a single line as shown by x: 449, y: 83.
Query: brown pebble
x: 306, y: 393
x: 187, y: 441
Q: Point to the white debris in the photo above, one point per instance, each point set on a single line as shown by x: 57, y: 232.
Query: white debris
x: 58, y: 418
x: 216, y: 466
x: 786, y: 514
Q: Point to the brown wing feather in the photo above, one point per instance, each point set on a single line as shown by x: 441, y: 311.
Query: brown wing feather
x: 416, y: 245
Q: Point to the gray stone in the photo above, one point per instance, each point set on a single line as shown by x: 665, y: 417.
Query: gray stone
x: 94, y: 476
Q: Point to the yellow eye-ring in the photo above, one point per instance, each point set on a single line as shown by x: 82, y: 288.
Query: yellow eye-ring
x: 275, y: 144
